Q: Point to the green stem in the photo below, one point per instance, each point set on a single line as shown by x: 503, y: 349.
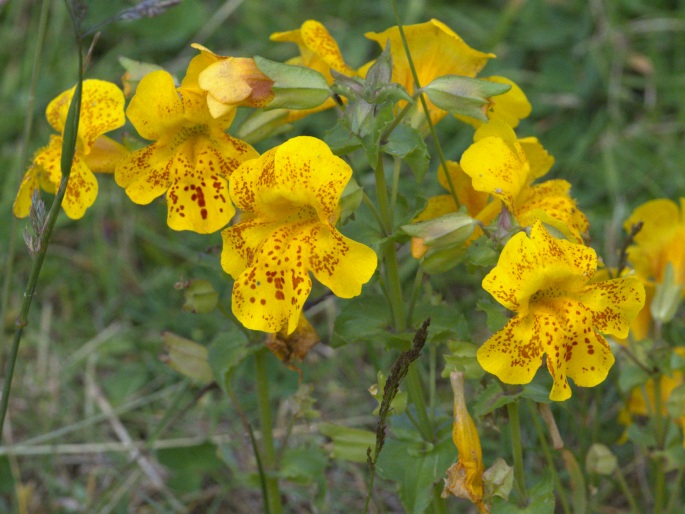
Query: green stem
x: 675, y: 493
x: 634, y: 508
x: 10, y: 184
x: 416, y: 289
x: 268, y: 449
x: 660, y: 436
x: 68, y: 149
x: 397, y: 166
x: 517, y: 450
x: 550, y: 459
x: 424, y: 104
x: 382, y: 196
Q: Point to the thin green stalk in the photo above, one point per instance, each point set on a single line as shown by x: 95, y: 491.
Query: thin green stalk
x: 559, y: 490
x: 660, y: 436
x: 517, y: 450
x: 68, y: 150
x: 634, y: 508
x: 675, y: 493
x: 397, y: 166
x: 424, y: 104
x: 268, y: 448
x: 382, y: 196
x: 11, y: 184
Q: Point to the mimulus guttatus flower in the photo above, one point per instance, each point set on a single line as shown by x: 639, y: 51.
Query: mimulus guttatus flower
x: 546, y: 281
x: 659, y: 244
x: 191, y: 159
x: 289, y: 198
x: 102, y: 110
x: 510, y: 107
x: 229, y: 82
x: 465, y: 478
x: 318, y: 51
x: 435, y: 50
x: 505, y: 167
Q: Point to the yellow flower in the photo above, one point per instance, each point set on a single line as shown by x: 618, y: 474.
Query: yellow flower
x: 102, y: 110
x: 289, y: 198
x: 510, y: 107
x: 465, y: 478
x: 505, y: 167
x: 191, y: 159
x: 546, y: 281
x: 228, y: 81
x: 435, y: 50
x: 660, y: 242
x: 318, y: 51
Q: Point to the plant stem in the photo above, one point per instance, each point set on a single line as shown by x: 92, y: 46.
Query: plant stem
x: 268, y: 448
x: 517, y: 450
x: 660, y: 436
x: 68, y: 149
x: 634, y: 508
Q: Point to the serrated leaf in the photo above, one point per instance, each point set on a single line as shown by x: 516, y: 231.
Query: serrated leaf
x: 340, y: 139
x: 463, y: 358
x: 361, y: 319
x: 491, y: 399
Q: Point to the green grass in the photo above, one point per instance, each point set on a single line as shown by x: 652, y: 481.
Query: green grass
x: 605, y: 79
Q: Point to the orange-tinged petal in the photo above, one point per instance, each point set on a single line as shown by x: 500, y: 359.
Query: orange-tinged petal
x: 105, y: 155
x: 496, y: 168
x: 269, y: 295
x: 514, y: 353
x: 614, y: 304
x: 82, y: 189
x: 474, y: 200
x: 24, y: 199
x: 339, y: 263
x: 156, y: 109
x: 102, y: 110
x: 198, y: 64
x: 236, y: 81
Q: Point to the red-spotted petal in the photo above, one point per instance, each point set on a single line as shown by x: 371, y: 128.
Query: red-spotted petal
x: 614, y: 304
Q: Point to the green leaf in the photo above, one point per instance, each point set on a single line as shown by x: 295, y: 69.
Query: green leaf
x: 295, y: 87
x: 464, y: 95
x: 136, y: 70
x: 497, y: 315
x: 188, y: 465
x: 676, y: 402
x: 350, y: 444
x: 303, y: 465
x: 187, y: 357
x: 463, y: 358
x: 491, y: 399
x: 350, y: 200
x: 541, y: 500
x: 361, y: 319
x: 226, y: 352
x: 340, y: 139
x: 415, y: 469
x: 407, y: 143
x: 578, y: 489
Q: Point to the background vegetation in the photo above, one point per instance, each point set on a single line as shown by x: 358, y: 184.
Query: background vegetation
x: 605, y: 78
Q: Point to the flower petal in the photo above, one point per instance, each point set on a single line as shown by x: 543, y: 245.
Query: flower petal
x: 105, y: 155
x: 156, y: 109
x: 24, y: 199
x: 510, y: 107
x: 197, y: 64
x: 474, y: 200
x: 514, y: 353
x: 339, y: 263
x: 539, y: 159
x: 102, y: 110
x: 199, y: 203
x: 269, y: 295
x: 147, y: 173
x: 237, y: 81
x: 82, y: 189
x: 614, y: 304
x: 301, y: 171
x: 581, y: 353
x: 242, y: 242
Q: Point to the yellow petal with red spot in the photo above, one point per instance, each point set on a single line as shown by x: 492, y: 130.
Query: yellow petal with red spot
x: 147, y: 173
x: 105, y: 155
x: 49, y: 159
x: 242, y: 242
x: 102, y: 110
x: 581, y: 353
x: 199, y: 204
x: 339, y: 263
x: 614, y: 304
x: 82, y: 189
x: 270, y: 294
x: 514, y: 353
